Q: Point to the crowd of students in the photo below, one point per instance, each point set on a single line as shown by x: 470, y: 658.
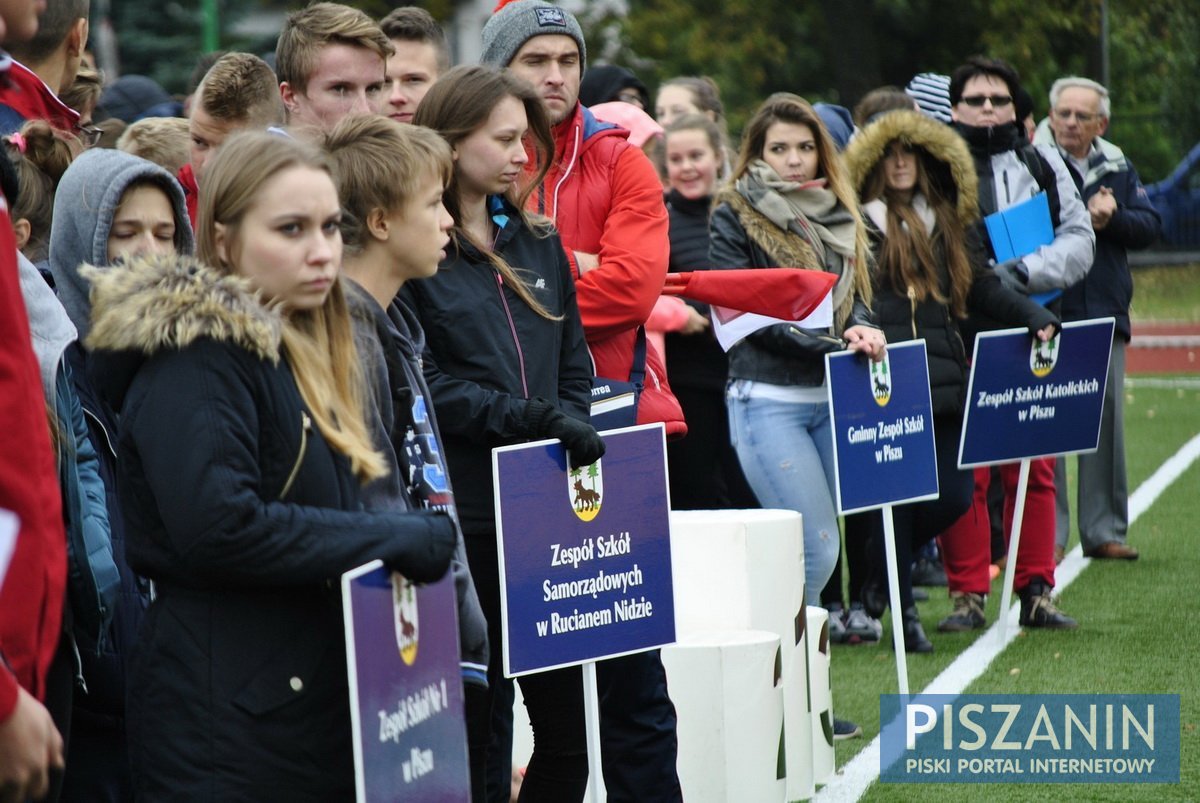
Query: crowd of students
x: 246, y: 352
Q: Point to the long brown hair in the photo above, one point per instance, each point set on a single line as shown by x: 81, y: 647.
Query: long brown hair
x: 318, y: 342
x: 909, y: 256
x: 456, y: 106
x: 784, y: 107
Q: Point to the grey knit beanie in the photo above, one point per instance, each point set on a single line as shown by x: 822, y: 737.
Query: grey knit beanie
x: 516, y: 23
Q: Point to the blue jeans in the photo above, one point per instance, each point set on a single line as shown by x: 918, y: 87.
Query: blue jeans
x: 786, y: 452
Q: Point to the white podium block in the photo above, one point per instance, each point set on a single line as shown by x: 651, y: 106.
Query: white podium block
x: 819, y: 684
x: 727, y: 690
x: 744, y: 570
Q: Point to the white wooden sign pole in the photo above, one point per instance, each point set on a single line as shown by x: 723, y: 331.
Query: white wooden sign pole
x: 893, y: 575
x: 591, y: 719
x: 1014, y: 545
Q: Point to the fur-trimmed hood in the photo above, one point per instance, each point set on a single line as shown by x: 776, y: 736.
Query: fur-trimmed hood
x: 936, y: 139
x: 162, y: 302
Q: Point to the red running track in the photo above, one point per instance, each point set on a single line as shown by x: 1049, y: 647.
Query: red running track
x: 1164, y: 348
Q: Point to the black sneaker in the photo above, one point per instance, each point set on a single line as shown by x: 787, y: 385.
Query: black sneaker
x: 928, y: 572
x: 914, y: 635
x: 1038, y: 609
x: 845, y: 729
x: 874, y: 596
x: 967, y: 614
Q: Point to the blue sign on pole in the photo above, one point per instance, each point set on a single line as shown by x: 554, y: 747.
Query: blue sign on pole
x: 585, y: 553
x: 1029, y: 399
x: 406, y: 695
x: 882, y: 428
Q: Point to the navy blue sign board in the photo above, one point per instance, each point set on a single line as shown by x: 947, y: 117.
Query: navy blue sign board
x: 1028, y: 399
x: 406, y: 696
x: 585, y: 554
x: 882, y: 428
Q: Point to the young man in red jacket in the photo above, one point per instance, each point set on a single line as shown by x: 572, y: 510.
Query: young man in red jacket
x: 605, y: 198
x: 603, y: 195
x: 31, y: 596
x: 239, y: 91
x: 44, y: 66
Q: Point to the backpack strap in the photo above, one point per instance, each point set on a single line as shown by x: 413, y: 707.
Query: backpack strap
x: 1046, y: 178
x: 637, y: 373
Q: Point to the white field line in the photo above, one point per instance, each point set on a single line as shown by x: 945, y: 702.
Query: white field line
x: 1181, y: 383
x: 863, y: 770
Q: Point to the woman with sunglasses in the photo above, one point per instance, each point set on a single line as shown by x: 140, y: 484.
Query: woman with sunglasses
x: 1011, y: 171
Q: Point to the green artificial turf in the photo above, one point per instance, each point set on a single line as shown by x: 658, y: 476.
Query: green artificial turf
x: 1135, y: 635
x: 1169, y: 293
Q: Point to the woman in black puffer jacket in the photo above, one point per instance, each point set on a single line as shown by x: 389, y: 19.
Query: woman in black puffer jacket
x: 919, y: 192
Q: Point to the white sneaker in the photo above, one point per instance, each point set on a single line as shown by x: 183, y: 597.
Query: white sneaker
x: 859, y: 628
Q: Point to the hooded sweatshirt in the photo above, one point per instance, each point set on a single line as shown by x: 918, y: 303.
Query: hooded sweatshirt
x: 88, y: 196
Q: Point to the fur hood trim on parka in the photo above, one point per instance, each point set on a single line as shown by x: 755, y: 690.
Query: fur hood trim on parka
x: 168, y: 302
x: 784, y: 247
x: 939, y: 140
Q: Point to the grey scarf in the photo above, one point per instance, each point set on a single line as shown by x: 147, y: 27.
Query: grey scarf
x: 812, y: 212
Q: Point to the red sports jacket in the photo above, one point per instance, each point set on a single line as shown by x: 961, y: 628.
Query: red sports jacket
x: 31, y: 598
x: 605, y: 199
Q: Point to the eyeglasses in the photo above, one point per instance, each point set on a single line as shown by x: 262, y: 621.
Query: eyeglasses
x: 998, y: 101
x: 1083, y: 118
x: 89, y: 135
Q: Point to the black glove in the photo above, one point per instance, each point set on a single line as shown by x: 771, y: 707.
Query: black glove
x: 424, y: 558
x: 1013, y: 274
x: 544, y: 420
x: 1050, y: 320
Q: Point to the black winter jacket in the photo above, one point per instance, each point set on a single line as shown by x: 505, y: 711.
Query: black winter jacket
x: 782, y: 354
x: 487, y: 354
x: 949, y: 169
x: 902, y: 318
x: 244, y: 517
x: 693, y: 361
x: 1108, y: 287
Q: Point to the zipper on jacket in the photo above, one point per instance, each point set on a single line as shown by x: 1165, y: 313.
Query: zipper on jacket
x: 512, y: 327
x: 653, y: 377
x: 305, y: 426
x: 1007, y: 192
x: 827, y: 338
x: 912, y: 301
x: 79, y: 681
x: 566, y: 173
x: 107, y: 438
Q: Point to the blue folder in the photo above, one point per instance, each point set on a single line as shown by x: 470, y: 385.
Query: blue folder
x: 1019, y: 231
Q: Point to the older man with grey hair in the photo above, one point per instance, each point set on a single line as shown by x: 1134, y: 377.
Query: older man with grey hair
x: 1122, y: 218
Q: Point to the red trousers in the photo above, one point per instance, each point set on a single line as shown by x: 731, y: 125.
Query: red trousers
x: 966, y: 546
